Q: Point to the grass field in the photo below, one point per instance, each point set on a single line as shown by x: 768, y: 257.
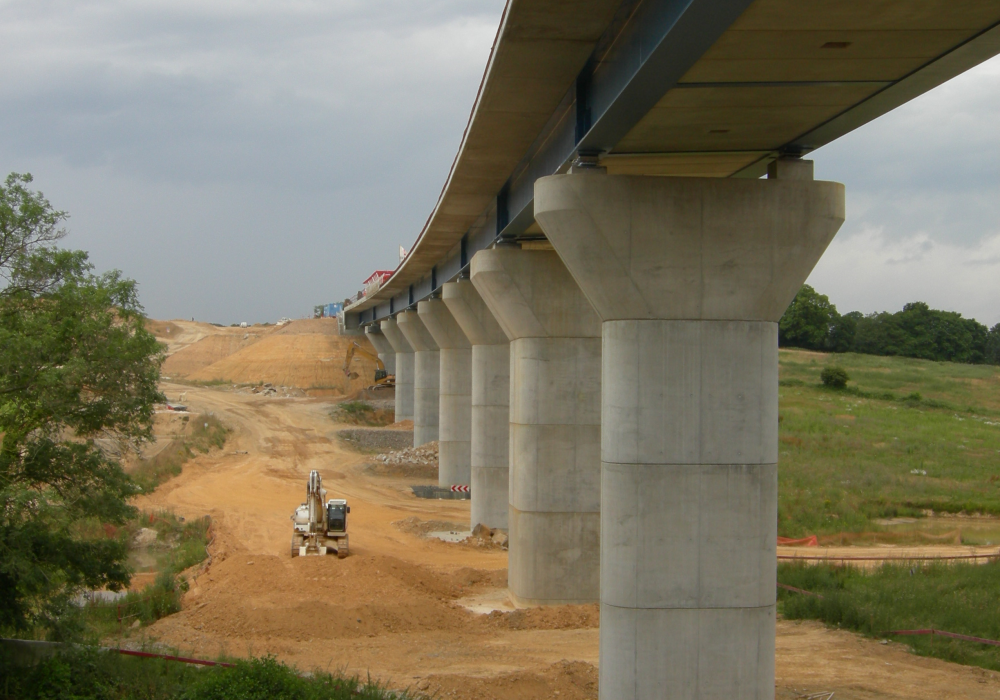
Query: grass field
x: 906, y: 437
x: 960, y: 597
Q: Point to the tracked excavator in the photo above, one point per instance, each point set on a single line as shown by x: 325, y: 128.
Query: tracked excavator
x: 382, y: 377
x: 318, y: 527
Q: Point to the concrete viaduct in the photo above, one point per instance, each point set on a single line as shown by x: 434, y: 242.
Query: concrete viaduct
x: 588, y: 320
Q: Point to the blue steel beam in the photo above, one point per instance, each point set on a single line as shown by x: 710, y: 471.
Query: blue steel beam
x: 648, y: 46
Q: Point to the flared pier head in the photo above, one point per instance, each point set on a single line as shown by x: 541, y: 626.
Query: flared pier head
x: 455, y: 393
x: 426, y: 376
x: 555, y: 365
x: 404, y: 368
x: 490, y: 402
x: 382, y: 347
x: 690, y: 277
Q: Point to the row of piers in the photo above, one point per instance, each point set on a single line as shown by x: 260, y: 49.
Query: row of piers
x: 613, y: 403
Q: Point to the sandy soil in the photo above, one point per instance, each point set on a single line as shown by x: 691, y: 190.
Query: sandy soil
x: 307, y: 353
x: 206, y: 351
x: 179, y: 334
x: 400, y: 606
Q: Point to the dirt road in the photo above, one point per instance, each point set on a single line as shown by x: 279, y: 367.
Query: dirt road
x: 399, y: 606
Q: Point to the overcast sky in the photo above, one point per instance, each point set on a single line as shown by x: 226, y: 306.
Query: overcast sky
x: 248, y: 159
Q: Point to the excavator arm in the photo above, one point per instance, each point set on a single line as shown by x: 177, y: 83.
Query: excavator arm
x: 381, y: 376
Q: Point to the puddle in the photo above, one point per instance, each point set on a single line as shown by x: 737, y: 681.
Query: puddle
x: 491, y: 601
x: 451, y: 535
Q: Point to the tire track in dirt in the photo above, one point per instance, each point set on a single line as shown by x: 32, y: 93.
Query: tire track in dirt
x: 393, y: 608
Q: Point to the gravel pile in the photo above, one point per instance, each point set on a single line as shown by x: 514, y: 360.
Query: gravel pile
x: 370, y: 439
x: 424, y: 455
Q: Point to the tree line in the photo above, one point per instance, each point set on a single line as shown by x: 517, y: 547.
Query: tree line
x: 813, y: 323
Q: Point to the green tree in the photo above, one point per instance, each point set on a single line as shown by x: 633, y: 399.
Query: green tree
x: 923, y: 332
x: 993, y: 345
x: 843, y: 331
x: 808, y: 321
x: 78, y: 380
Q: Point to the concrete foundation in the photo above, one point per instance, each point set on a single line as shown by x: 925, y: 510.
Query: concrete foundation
x: 426, y: 377
x: 403, y: 358
x: 455, y: 393
x: 689, y: 277
x: 490, y: 402
x: 555, y: 355
x: 383, y: 347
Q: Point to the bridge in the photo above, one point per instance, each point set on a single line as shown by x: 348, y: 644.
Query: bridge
x: 587, y: 321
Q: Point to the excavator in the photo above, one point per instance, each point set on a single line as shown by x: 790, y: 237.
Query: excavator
x: 319, y: 528
x: 382, y: 377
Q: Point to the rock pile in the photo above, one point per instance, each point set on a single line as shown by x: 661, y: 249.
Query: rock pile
x: 269, y: 390
x: 425, y: 455
x: 482, y: 535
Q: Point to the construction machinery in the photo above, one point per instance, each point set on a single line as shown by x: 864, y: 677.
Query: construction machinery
x: 382, y: 377
x: 318, y: 527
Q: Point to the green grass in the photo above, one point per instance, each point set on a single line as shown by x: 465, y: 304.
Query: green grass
x: 180, y: 545
x: 849, y: 457
x: 961, y: 597
x: 361, y: 413
x: 89, y: 674
x: 203, y: 434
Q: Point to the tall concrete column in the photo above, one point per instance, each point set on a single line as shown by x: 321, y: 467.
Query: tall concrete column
x: 426, y: 377
x: 383, y: 347
x: 455, y: 394
x: 555, y: 397
x: 404, y: 369
x: 490, y: 402
x: 689, y: 277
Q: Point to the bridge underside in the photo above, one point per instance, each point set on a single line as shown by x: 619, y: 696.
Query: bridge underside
x: 588, y: 320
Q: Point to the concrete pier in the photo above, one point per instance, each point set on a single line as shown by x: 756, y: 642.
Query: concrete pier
x: 490, y: 402
x: 426, y: 377
x: 455, y: 393
x: 689, y: 277
x: 555, y: 368
x: 383, y: 347
x: 403, y: 357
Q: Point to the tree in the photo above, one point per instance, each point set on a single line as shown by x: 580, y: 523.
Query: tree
x: 843, y: 331
x: 807, y: 321
x: 78, y: 380
x: 922, y: 332
x: 993, y: 345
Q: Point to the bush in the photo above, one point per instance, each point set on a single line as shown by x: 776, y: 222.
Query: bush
x: 834, y: 377
x: 88, y: 674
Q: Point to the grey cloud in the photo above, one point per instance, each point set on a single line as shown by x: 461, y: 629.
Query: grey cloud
x: 246, y: 159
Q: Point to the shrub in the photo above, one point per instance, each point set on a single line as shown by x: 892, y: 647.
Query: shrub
x: 834, y: 377
x: 86, y: 673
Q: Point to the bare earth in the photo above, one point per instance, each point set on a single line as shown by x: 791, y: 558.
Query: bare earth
x: 397, y: 606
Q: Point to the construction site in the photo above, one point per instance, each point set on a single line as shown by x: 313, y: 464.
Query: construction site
x: 421, y: 602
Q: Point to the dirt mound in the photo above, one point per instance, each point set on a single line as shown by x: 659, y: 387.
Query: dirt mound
x: 557, y: 617
x: 303, y: 360
x: 566, y: 680
x: 162, y: 329
x: 205, y: 352
x: 362, y: 596
x: 312, y: 326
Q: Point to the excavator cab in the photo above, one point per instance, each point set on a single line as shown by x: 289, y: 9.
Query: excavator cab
x: 336, y: 516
